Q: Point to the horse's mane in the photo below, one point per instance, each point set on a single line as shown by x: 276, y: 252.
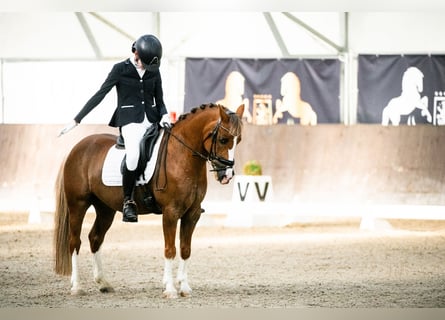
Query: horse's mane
x: 198, y: 109
x: 235, y: 121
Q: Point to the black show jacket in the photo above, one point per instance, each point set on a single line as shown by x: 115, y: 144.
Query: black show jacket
x: 135, y: 96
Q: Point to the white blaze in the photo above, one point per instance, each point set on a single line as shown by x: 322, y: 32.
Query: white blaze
x: 229, y: 171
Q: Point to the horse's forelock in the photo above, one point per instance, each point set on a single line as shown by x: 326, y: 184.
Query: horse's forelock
x: 236, y: 124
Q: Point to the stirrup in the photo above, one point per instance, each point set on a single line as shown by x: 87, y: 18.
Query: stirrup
x: 130, y: 211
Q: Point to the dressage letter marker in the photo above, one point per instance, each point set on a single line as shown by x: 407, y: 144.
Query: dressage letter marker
x: 252, y: 188
x: 252, y: 198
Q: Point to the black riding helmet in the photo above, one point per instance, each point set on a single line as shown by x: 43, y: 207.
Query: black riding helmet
x: 149, y: 49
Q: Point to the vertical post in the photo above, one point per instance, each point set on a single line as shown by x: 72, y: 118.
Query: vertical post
x: 2, y: 93
x: 156, y: 24
x: 348, y: 108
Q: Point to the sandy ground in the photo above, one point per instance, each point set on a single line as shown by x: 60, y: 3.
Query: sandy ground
x: 302, y: 265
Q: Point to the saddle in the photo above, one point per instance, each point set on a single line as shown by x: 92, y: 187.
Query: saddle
x: 146, y: 150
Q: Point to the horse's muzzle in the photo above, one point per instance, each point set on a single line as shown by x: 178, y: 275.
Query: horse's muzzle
x: 224, y: 175
x: 223, y: 168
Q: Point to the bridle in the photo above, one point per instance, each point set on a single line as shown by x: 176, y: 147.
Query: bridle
x: 218, y: 163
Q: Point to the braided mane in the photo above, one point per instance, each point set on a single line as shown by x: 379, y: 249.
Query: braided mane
x: 235, y: 121
x: 198, y: 109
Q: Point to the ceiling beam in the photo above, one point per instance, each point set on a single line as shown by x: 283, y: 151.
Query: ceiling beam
x: 317, y: 34
x: 276, y: 34
x: 89, y: 34
x: 112, y: 26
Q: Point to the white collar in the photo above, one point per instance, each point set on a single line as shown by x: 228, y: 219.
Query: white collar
x: 140, y: 70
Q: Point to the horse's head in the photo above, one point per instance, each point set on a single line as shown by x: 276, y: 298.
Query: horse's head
x: 222, y: 140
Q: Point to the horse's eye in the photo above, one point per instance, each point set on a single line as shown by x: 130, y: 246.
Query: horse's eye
x: 223, y: 140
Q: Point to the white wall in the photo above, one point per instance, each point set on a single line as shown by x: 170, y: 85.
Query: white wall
x: 54, y: 91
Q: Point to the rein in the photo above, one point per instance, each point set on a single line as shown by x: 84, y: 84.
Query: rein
x: 212, y: 156
x: 194, y: 152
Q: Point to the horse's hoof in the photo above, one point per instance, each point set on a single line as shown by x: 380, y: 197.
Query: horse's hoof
x: 78, y: 292
x: 170, y: 294
x: 185, y: 294
x: 185, y: 290
x: 106, y: 289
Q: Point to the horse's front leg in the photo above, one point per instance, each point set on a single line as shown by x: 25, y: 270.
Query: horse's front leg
x: 169, y: 227
x: 188, y: 224
x: 182, y: 279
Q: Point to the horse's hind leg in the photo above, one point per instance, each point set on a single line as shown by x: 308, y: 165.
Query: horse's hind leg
x: 104, y: 219
x: 77, y: 212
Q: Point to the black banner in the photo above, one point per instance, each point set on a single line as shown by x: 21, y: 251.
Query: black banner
x: 285, y: 91
x: 395, y: 89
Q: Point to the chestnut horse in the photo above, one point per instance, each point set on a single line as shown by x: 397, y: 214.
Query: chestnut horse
x: 208, y: 133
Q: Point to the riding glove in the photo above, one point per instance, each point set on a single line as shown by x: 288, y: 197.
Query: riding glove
x: 165, y: 121
x: 68, y: 127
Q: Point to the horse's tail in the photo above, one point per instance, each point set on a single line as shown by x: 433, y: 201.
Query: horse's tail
x: 61, y: 228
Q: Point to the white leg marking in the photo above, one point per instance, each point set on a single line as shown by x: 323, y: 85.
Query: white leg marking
x: 170, y: 290
x: 75, y: 283
x: 184, y: 288
x: 99, y: 277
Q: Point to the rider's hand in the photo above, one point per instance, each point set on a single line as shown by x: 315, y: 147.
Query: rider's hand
x: 165, y: 121
x: 68, y: 127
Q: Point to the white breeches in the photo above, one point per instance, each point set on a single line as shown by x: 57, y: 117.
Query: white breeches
x: 133, y: 133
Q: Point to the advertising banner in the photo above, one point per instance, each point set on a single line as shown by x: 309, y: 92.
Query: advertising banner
x: 401, y: 89
x: 286, y: 91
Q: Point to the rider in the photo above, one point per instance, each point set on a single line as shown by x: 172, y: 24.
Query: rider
x: 140, y: 104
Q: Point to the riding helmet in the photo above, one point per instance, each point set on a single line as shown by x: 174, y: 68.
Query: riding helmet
x: 149, y: 49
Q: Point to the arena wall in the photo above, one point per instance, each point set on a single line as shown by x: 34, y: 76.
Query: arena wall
x: 322, y: 164
x: 351, y: 164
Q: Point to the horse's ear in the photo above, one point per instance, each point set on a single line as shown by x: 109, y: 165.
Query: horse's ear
x: 222, y: 113
x: 240, y: 111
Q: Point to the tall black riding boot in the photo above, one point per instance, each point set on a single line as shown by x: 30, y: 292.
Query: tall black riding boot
x: 128, y: 183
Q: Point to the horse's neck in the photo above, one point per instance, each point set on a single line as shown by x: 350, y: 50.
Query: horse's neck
x: 190, y: 133
x: 411, y: 93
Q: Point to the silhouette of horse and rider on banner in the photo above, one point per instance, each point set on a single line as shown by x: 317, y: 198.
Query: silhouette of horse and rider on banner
x: 290, y: 109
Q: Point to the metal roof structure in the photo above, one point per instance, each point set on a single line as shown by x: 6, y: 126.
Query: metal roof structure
x: 108, y: 35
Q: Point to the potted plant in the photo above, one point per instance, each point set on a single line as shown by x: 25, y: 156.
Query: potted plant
x: 252, y: 168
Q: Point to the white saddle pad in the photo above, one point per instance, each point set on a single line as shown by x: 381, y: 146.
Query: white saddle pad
x: 111, y: 171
